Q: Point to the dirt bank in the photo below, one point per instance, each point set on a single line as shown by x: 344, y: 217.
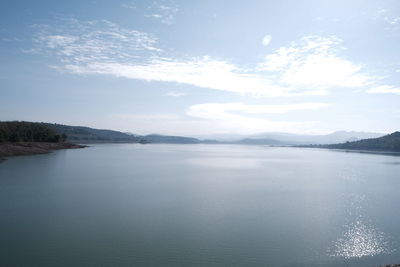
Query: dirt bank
x: 32, y: 148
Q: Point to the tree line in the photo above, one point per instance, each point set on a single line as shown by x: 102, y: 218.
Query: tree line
x: 389, y: 142
x: 20, y: 131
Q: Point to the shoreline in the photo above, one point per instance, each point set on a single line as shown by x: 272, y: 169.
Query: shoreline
x: 367, y: 151
x: 32, y: 148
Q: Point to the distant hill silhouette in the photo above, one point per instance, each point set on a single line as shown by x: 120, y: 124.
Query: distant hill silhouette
x: 303, y: 139
x: 389, y: 142
x: 251, y: 141
x: 22, y: 132
x: 157, y: 138
x: 80, y: 134
x: 277, y: 138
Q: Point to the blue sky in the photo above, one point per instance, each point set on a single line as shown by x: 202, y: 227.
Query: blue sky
x: 202, y: 67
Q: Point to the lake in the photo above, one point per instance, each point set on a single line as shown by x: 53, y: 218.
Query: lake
x: 200, y: 205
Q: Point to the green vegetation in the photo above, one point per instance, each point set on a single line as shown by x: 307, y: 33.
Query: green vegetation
x: 389, y: 142
x: 15, y: 131
x: 80, y: 134
x: 20, y: 131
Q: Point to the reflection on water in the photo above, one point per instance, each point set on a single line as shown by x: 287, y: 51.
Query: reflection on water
x: 199, y: 205
x: 361, y: 240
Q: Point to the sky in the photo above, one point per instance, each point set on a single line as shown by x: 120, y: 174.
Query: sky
x: 203, y: 67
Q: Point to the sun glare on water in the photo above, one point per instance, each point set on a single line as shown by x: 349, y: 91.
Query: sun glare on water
x: 361, y: 240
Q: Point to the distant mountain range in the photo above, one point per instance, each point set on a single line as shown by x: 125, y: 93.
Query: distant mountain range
x: 81, y: 134
x: 333, y: 138
x: 293, y: 139
x: 336, y: 140
x: 157, y: 139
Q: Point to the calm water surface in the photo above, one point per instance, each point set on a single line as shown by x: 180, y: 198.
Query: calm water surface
x: 199, y: 205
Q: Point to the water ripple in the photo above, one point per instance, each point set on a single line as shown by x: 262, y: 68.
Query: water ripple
x: 360, y: 240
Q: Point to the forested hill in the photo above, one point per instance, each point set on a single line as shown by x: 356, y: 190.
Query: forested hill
x: 80, y: 134
x: 389, y: 142
x: 18, y: 131
x: 15, y: 131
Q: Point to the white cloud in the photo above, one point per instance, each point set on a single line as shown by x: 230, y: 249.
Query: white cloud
x: 54, y: 41
x: 311, y: 66
x: 11, y: 39
x: 384, y: 89
x: 175, y: 94
x: 210, y: 118
x: 266, y: 40
x: 226, y: 115
x: 164, y: 11
x: 392, y: 20
x: 130, y: 5
x: 252, y: 109
x: 315, y: 62
x: 80, y: 42
x: 202, y: 72
x: 388, y: 17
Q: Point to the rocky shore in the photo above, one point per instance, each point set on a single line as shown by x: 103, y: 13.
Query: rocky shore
x: 32, y: 148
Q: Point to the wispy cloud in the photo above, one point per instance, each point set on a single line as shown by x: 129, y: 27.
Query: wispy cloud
x: 175, y: 94
x: 313, y: 65
x: 81, y: 42
x: 266, y: 40
x: 315, y: 62
x: 202, y: 72
x: 384, y: 89
x: 164, y: 11
x: 201, y: 110
x: 11, y: 39
x: 392, y: 20
x: 221, y: 117
x: 237, y: 116
x: 388, y: 17
x: 130, y: 5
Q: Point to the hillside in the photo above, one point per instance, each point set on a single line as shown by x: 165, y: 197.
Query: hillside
x: 277, y: 138
x: 81, y: 134
x: 250, y: 141
x: 332, y: 138
x: 30, y: 138
x: 47, y: 132
x: 389, y: 142
x: 21, y: 131
x: 166, y: 139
